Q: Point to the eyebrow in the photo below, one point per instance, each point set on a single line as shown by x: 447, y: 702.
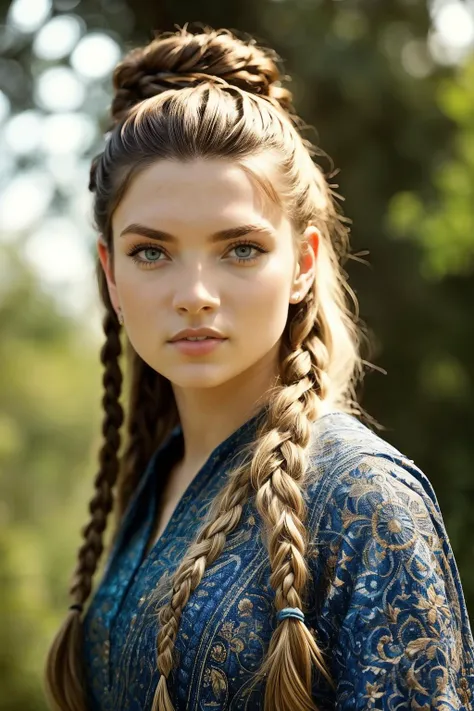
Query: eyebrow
x: 221, y: 236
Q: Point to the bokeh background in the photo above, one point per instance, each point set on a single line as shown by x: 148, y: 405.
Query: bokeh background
x: 389, y: 88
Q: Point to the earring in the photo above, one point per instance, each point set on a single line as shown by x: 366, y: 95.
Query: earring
x: 120, y: 316
x: 297, y: 295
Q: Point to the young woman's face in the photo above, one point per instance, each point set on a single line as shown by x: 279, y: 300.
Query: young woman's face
x: 191, y: 279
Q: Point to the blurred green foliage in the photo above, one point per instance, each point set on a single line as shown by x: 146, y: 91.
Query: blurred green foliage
x: 49, y: 420
x: 444, y: 225
x: 403, y: 143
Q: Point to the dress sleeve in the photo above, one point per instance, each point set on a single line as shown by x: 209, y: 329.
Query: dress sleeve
x: 395, y: 609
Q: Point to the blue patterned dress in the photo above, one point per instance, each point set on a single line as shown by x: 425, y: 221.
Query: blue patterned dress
x: 385, y: 599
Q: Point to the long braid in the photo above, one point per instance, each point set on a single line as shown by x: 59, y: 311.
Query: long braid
x: 102, y: 502
x: 276, y: 472
x: 224, y: 516
x: 278, y: 475
x: 64, y: 679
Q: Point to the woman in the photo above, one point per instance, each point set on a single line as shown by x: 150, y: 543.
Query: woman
x: 270, y: 550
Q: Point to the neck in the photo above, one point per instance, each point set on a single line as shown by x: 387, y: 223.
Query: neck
x: 208, y: 416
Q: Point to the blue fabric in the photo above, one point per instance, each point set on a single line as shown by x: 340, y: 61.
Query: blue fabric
x: 385, y: 599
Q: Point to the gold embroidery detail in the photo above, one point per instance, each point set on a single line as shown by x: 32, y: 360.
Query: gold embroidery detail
x: 218, y: 653
x: 394, y: 526
x: 392, y: 613
x: 237, y: 645
x: 245, y: 607
x: 218, y: 682
x: 413, y: 682
x: 372, y: 691
x: 464, y: 692
x: 227, y: 630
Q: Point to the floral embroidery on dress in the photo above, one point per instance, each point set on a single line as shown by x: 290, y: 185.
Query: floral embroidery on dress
x: 385, y: 600
x: 403, y: 635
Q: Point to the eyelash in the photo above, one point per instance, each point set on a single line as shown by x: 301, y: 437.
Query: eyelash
x: 140, y: 247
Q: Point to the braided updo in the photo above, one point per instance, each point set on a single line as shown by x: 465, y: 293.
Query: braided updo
x: 174, y: 61
x: 209, y: 94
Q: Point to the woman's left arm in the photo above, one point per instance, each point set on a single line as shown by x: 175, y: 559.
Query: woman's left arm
x: 403, y: 637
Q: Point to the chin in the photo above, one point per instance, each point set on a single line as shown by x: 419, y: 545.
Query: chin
x: 197, y: 375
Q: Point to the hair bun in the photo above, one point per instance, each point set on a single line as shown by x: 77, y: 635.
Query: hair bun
x: 173, y: 60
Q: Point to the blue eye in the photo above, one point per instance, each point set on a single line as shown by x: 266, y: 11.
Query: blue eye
x: 249, y: 245
x: 153, y: 248
x: 145, y: 248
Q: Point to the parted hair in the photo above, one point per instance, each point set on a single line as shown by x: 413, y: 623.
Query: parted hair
x: 212, y: 94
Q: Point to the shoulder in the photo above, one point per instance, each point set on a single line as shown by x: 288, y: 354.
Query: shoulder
x: 373, y: 519
x: 359, y: 481
x: 385, y: 593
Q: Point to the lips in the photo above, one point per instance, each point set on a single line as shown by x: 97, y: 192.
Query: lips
x: 197, y: 333
x: 197, y: 348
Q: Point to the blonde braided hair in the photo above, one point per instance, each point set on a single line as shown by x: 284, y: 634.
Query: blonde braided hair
x: 233, y: 107
x: 276, y: 474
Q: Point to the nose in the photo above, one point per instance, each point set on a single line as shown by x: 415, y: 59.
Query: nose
x: 194, y: 297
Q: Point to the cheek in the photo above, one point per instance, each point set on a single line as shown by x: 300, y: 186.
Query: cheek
x: 139, y: 289
x: 264, y: 302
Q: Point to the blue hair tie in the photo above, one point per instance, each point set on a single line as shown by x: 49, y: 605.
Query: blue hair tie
x: 290, y: 612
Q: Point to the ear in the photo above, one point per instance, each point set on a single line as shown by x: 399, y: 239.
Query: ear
x: 105, y: 260
x: 306, y: 267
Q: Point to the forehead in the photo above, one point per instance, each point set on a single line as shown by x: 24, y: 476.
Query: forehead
x: 207, y: 193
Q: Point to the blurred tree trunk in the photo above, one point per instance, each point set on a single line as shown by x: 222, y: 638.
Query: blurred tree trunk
x: 166, y: 14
